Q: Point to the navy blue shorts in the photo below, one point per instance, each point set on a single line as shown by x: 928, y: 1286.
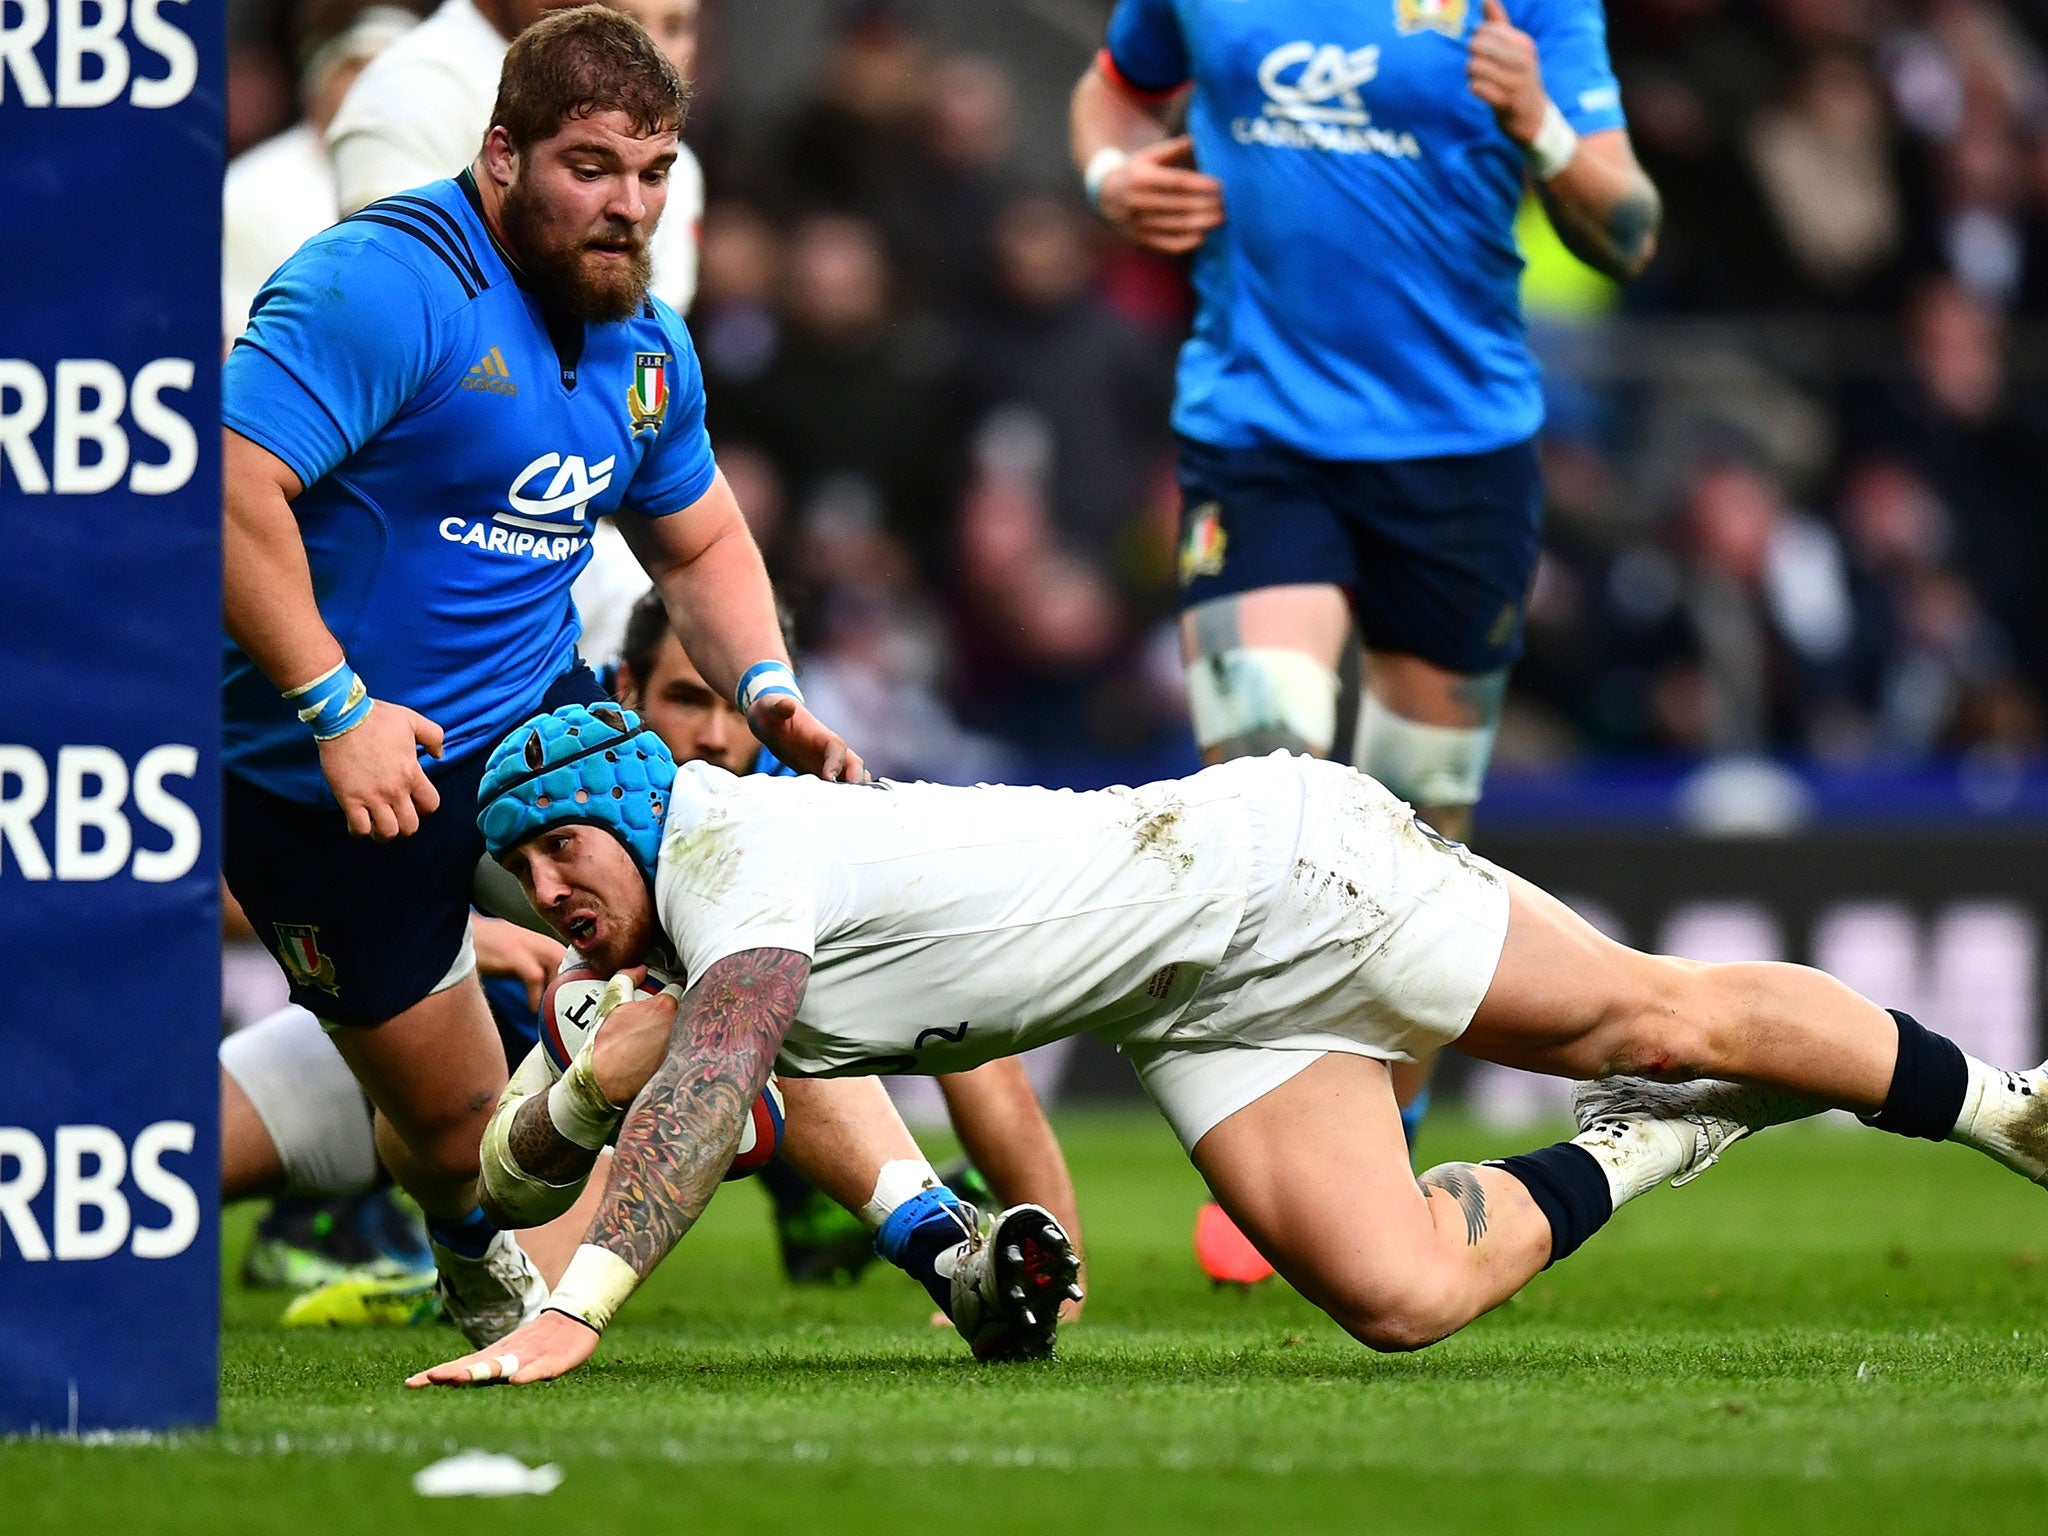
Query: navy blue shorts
x: 363, y: 929
x: 1435, y: 554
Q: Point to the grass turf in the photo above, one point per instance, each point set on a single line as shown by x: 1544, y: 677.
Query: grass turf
x: 1834, y: 1330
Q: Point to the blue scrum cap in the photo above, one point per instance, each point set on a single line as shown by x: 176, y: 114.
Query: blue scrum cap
x: 595, y: 765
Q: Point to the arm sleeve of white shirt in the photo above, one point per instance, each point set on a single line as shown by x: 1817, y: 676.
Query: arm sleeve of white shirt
x: 734, y: 878
x: 399, y: 128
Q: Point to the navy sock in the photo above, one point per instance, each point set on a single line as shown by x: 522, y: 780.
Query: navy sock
x: 929, y: 1223
x: 1928, y: 1084
x: 467, y: 1235
x: 1569, y: 1188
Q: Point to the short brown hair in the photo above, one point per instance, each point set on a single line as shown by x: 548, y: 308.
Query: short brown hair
x: 582, y: 61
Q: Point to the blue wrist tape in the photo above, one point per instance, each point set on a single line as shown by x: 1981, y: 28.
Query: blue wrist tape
x: 333, y: 703
x: 762, y: 679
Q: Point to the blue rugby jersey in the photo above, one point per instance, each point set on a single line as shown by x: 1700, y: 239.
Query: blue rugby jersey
x: 455, y: 460
x: 1360, y: 301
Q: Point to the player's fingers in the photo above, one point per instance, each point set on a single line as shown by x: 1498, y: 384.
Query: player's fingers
x: 1173, y: 186
x: 427, y: 734
x: 423, y: 793
x: 1197, y: 216
x: 1178, y: 150
x: 406, y: 815
x: 1494, y: 11
x: 357, y: 815
x: 383, y: 824
x: 853, y: 770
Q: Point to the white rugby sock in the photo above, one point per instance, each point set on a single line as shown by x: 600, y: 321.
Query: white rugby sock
x: 1636, y: 1154
x: 2005, y: 1116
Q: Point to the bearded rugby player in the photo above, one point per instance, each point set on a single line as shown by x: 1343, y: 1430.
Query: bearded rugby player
x: 1264, y: 940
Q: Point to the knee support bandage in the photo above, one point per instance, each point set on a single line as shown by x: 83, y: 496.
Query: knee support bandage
x: 1424, y: 764
x: 1265, y: 696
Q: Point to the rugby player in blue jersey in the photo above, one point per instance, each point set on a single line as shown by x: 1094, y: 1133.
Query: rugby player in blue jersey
x: 1357, y: 409
x: 433, y: 404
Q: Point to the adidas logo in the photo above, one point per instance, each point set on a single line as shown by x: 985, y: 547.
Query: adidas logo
x: 491, y: 374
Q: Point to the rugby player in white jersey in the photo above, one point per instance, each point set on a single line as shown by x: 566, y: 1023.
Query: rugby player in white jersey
x: 1263, y: 940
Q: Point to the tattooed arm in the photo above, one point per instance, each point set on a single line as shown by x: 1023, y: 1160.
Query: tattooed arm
x: 1603, y: 207
x: 680, y: 1132
x: 674, y: 1147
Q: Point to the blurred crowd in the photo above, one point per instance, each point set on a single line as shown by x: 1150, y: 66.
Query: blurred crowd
x: 1798, y: 473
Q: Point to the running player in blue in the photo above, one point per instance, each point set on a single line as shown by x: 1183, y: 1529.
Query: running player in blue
x: 434, y: 402
x: 1357, y: 409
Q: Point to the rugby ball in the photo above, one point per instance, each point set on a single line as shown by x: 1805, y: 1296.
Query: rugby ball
x: 569, y: 1011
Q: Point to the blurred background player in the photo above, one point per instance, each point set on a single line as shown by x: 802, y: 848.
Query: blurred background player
x: 1357, y: 408
x: 1012, y: 1156
x: 281, y: 193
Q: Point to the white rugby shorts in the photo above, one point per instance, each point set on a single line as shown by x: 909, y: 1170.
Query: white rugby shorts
x: 1365, y: 933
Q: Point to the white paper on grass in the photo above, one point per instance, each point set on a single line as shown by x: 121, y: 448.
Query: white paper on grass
x: 484, y: 1475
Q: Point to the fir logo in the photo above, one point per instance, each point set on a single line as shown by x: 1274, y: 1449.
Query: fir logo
x: 491, y: 375
x: 647, y: 396
x: 1445, y: 16
x: 298, y: 946
x: 1203, y: 543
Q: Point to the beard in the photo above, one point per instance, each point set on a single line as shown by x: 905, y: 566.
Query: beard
x: 561, y: 268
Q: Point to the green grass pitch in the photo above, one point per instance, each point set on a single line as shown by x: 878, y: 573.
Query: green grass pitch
x: 1833, y: 1330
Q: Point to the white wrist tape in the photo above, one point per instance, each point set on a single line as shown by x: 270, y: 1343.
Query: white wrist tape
x: 1100, y: 164
x: 593, y: 1287
x: 578, y: 1106
x: 1554, y: 145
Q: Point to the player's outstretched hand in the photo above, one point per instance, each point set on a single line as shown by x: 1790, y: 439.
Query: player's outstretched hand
x: 1504, y: 72
x: 801, y: 740
x: 374, y: 771
x: 1157, y: 200
x: 552, y: 1345
x: 506, y: 949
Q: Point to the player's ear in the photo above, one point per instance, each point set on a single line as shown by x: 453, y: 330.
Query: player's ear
x: 500, y: 159
x: 626, y: 685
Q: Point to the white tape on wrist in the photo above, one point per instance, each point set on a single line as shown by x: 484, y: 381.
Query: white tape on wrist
x: 593, y: 1287
x: 1100, y: 165
x: 579, y: 1108
x: 1554, y: 145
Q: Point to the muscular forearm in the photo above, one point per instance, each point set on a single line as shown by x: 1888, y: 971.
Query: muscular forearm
x: 1004, y: 1132
x: 267, y: 597
x: 1604, y: 208
x: 1102, y: 117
